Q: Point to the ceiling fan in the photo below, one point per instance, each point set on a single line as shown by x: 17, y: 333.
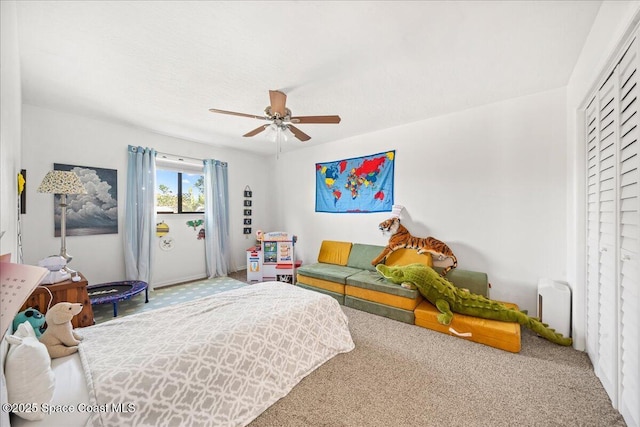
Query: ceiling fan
x: 279, y: 115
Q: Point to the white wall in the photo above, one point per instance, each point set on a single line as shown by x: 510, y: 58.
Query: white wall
x: 608, y: 33
x: 55, y: 137
x: 10, y: 126
x: 490, y: 182
x: 187, y: 249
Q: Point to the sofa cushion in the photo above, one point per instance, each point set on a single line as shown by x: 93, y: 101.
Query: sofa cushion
x: 494, y: 333
x: 383, y: 297
x: 362, y: 255
x: 374, y: 281
x: 475, y: 281
x: 408, y: 256
x: 333, y: 252
x: 327, y: 285
x: 331, y: 272
x: 406, y: 316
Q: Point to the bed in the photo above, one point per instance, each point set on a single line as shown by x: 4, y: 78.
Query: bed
x: 220, y: 360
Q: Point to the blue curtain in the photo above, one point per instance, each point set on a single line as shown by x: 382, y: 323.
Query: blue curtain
x: 216, y: 218
x: 140, y: 214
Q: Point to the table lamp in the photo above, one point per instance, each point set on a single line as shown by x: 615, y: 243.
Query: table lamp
x: 62, y: 183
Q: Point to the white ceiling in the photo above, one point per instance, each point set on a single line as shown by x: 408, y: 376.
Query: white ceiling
x: 162, y: 65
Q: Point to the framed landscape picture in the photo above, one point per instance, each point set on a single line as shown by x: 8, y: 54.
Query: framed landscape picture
x: 95, y: 212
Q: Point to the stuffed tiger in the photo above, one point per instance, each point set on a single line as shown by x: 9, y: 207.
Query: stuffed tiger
x: 401, y: 238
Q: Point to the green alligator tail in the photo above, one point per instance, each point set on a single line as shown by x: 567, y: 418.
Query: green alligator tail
x: 450, y: 299
x: 545, y: 331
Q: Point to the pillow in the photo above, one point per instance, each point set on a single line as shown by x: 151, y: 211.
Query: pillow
x: 333, y: 252
x: 30, y: 379
x: 4, y: 349
x: 408, y: 256
x: 361, y: 256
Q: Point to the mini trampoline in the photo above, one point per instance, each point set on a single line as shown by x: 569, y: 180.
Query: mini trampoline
x: 112, y: 293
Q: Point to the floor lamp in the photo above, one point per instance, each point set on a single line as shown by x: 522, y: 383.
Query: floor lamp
x: 62, y: 183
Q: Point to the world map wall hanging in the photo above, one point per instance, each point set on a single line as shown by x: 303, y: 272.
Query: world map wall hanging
x: 356, y: 185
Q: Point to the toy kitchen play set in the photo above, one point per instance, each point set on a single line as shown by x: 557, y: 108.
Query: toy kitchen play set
x: 273, y: 258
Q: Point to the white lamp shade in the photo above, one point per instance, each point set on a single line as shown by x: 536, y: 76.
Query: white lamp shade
x: 61, y: 182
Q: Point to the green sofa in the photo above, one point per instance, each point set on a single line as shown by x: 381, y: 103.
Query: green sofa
x: 344, y: 271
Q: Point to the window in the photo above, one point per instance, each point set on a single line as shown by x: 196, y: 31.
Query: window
x: 179, y: 192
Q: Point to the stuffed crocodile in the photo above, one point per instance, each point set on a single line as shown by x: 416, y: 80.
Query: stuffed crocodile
x: 449, y: 299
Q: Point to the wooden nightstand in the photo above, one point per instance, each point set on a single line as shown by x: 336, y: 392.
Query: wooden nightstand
x: 67, y: 291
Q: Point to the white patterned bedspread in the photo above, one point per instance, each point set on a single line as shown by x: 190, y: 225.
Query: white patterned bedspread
x: 216, y: 361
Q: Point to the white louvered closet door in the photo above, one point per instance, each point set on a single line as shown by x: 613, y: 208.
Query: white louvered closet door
x: 607, y: 295
x: 613, y: 235
x: 629, y: 236
x: 593, y: 219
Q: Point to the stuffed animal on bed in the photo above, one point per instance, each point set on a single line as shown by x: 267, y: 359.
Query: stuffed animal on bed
x: 60, y: 338
x: 34, y: 317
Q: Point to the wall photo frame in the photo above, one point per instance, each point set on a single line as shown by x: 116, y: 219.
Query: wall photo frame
x: 23, y: 193
x: 247, y: 212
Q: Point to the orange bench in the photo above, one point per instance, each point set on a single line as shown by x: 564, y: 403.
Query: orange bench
x: 494, y: 333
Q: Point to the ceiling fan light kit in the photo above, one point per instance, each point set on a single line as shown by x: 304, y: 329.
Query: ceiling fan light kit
x: 280, y: 117
x: 273, y: 132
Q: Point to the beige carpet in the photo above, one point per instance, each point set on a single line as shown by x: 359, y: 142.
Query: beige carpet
x: 404, y: 375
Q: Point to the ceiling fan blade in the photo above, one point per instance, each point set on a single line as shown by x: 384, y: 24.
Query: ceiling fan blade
x: 315, y: 119
x: 233, y: 113
x: 298, y: 133
x: 256, y: 130
x: 278, y: 102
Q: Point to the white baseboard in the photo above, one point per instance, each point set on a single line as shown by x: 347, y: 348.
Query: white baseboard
x: 181, y: 280
x: 186, y: 279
